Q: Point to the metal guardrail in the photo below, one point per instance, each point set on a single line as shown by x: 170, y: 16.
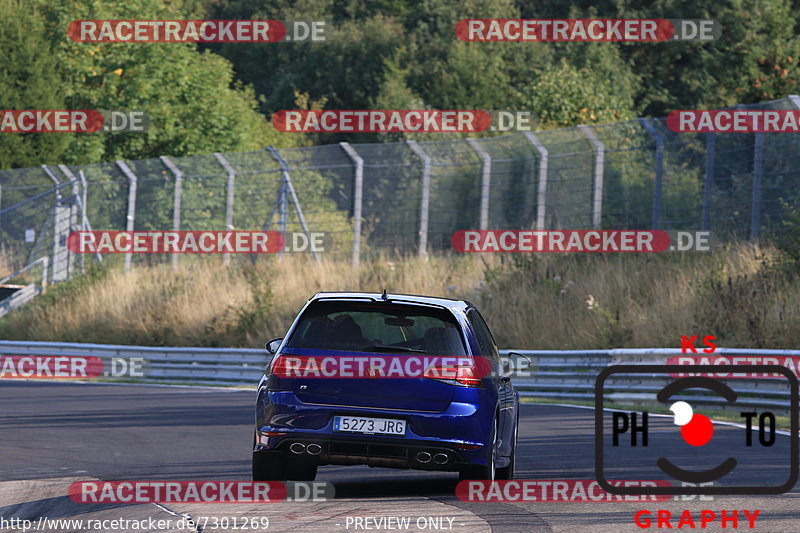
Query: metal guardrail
x: 567, y: 375
x: 21, y: 297
x: 44, y: 261
x: 570, y: 375
x: 29, y: 292
x: 209, y: 366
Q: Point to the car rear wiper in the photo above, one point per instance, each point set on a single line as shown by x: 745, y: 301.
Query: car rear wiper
x: 390, y: 348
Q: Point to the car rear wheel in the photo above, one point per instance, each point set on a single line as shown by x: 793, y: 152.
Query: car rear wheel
x: 280, y: 466
x: 269, y: 466
x: 507, y: 472
x: 480, y: 471
x: 301, y: 471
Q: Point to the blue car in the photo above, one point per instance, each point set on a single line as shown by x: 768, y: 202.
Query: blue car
x: 385, y: 380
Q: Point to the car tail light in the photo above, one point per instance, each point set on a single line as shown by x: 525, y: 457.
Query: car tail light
x: 466, y: 375
x: 284, y: 366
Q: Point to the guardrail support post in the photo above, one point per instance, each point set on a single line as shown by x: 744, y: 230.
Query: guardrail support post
x: 758, y: 171
x: 541, y: 199
x: 659, y: 169
x: 599, y: 160
x: 176, y: 206
x: 425, y: 199
x: 130, y: 219
x: 358, y: 190
x: 486, y: 181
x: 226, y: 258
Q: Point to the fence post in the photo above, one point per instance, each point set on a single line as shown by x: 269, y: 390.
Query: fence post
x: 45, y: 270
x: 426, y: 196
x: 60, y: 262
x: 226, y: 258
x: 358, y: 190
x: 84, y: 195
x: 657, y: 183
x: 288, y: 188
x: 84, y: 217
x: 758, y: 169
x: 61, y: 222
x: 55, y: 179
x: 599, y: 160
x: 486, y: 181
x: 283, y: 206
x: 541, y: 199
x: 131, y: 217
x: 708, y: 182
x: 176, y: 206
x: 82, y: 200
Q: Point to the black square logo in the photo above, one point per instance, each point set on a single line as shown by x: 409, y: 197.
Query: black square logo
x: 751, y: 456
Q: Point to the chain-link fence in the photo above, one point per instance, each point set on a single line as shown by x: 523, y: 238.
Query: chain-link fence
x: 409, y: 197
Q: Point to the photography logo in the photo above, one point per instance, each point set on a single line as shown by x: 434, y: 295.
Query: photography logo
x: 746, y: 458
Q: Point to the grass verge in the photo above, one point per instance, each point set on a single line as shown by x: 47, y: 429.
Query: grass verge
x: 545, y: 301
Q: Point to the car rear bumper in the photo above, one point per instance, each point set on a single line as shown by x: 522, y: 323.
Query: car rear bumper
x: 283, y: 421
x: 373, y: 452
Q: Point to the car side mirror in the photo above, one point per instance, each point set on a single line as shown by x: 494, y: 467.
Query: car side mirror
x: 273, y: 345
x: 520, y: 369
x: 527, y: 358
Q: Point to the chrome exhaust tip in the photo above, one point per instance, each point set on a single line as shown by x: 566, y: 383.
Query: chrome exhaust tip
x: 424, y: 457
x: 297, y: 448
x: 314, y: 449
x: 440, y: 458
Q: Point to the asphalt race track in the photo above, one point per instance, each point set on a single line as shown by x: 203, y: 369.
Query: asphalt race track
x: 52, y: 434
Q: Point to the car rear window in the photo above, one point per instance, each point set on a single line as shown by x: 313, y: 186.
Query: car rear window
x: 377, y: 327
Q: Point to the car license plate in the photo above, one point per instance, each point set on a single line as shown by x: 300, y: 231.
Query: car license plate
x: 378, y: 426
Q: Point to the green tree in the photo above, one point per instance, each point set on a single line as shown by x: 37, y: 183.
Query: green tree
x: 28, y: 80
x: 567, y: 96
x: 754, y: 59
x: 195, y: 104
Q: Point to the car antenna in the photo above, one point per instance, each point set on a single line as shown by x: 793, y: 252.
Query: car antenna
x: 384, y: 296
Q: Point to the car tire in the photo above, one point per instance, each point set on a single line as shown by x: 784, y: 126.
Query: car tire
x: 487, y: 472
x: 301, y: 471
x: 269, y: 466
x: 507, y: 472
